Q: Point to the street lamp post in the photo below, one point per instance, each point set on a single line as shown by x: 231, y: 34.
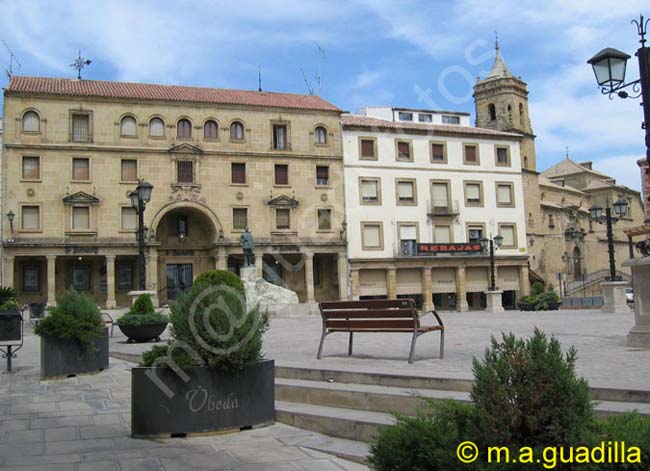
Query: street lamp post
x: 139, y: 199
x: 493, y: 244
x: 596, y: 214
x: 609, y: 67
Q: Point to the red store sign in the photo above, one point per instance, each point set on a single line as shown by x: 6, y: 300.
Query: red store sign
x: 432, y: 249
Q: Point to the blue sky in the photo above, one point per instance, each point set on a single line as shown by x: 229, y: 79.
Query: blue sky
x: 385, y: 52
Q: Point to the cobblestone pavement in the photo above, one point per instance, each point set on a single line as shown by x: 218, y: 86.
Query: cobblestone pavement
x: 83, y: 424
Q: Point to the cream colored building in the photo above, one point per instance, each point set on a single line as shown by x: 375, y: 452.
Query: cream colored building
x: 411, y: 181
x: 218, y: 160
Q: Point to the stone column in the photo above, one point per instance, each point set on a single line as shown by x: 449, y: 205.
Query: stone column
x: 51, y: 280
x: 152, y: 270
x: 221, y: 260
x: 356, y: 284
x: 461, y: 293
x: 259, y: 265
x: 309, y: 276
x: 342, y: 267
x: 9, y: 271
x: 110, y: 282
x: 524, y: 283
x: 639, y: 336
x: 427, y: 291
x: 391, y: 282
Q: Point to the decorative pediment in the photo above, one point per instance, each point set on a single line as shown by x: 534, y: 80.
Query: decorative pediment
x: 283, y: 201
x: 185, y: 148
x: 80, y: 197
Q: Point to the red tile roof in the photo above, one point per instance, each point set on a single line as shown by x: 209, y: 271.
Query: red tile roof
x: 382, y: 124
x: 146, y: 91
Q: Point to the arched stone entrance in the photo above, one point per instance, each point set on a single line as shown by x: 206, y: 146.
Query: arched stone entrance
x: 186, y: 233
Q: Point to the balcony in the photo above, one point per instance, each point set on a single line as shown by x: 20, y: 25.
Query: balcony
x: 444, y: 208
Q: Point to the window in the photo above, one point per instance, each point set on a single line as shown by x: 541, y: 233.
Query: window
x: 210, y: 130
x: 324, y: 219
x: 371, y: 236
x: 440, y: 196
x: 471, y: 154
x: 425, y: 118
x: 406, y: 192
x: 322, y: 175
x: 238, y: 173
x: 508, y: 232
x: 370, y: 191
x: 404, y: 150
x: 239, y: 218
x: 505, y: 195
x: 81, y: 169
x: 80, y: 127
x: 31, y: 122
x: 473, y: 194
x: 125, y: 276
x: 156, y: 128
x: 80, y: 217
x: 474, y: 233
x: 30, y: 218
x: 280, y: 136
x: 80, y: 277
x: 320, y: 136
x: 446, y: 119
x: 522, y: 118
x: 31, y: 277
x: 503, y: 156
x: 492, y: 112
x: 31, y: 168
x: 405, y: 116
x: 128, y: 127
x: 282, y: 218
x: 442, y: 234
x: 281, y: 174
x: 129, y: 218
x: 551, y: 223
x: 408, y: 235
x: 181, y: 226
x: 184, y: 129
x: 438, y: 153
x: 368, y: 149
x: 184, y: 171
x: 129, y: 170
x: 236, y: 131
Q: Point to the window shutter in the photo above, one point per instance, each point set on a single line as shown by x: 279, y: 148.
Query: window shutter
x: 508, y: 234
x: 440, y: 195
x: 185, y: 170
x: 405, y: 190
x: 210, y: 130
x: 282, y: 218
x: 324, y: 219
x: 31, y: 218
x: 408, y: 233
x: 442, y: 234
x: 129, y: 218
x: 504, y: 195
x: 236, y: 131
x: 403, y: 150
x: 502, y: 155
x: 437, y: 151
x: 470, y: 153
x: 369, y: 190
x: 80, y: 128
x: 367, y: 148
x: 184, y: 129
x: 156, y: 128
x: 81, y: 217
x: 81, y: 169
x: 31, y: 122
x: 371, y: 236
x: 238, y: 173
x: 322, y: 175
x: 473, y: 192
x: 31, y: 168
x: 239, y: 218
x: 129, y: 170
x: 128, y: 127
x: 281, y: 174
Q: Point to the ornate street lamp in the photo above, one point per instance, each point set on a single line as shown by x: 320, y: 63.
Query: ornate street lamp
x: 139, y: 199
x: 493, y: 244
x: 596, y: 215
x: 609, y: 68
x: 11, y: 216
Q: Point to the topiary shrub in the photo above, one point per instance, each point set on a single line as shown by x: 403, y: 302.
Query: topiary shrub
x: 526, y: 392
x: 142, y: 312
x: 75, y: 316
x: 221, y: 278
x: 538, y: 288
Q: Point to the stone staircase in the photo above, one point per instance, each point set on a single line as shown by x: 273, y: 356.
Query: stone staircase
x: 355, y: 406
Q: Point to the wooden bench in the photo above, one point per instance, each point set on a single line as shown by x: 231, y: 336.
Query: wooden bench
x: 381, y: 315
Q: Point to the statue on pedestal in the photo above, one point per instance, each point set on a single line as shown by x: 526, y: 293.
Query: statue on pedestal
x: 248, y: 244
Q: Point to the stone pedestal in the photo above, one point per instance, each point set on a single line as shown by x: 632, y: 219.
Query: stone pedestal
x: 614, y: 300
x: 494, y: 302
x: 639, y: 336
x: 152, y: 294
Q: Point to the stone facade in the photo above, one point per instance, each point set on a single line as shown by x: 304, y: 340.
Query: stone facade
x: 74, y: 225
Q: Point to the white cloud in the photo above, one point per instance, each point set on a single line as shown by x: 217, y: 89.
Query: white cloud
x: 623, y: 168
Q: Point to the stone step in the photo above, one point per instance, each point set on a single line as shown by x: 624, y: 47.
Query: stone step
x: 349, y: 450
x: 361, y: 426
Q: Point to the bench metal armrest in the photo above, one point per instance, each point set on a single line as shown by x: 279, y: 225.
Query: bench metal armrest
x: 436, y: 316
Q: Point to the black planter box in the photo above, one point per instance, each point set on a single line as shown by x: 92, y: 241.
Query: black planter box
x: 10, y: 327
x: 209, y: 402
x: 62, y: 358
x: 143, y: 333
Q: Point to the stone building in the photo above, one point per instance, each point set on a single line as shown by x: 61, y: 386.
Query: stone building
x: 219, y: 160
x: 1, y: 218
x: 422, y: 188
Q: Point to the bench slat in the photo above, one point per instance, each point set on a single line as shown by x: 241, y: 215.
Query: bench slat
x: 369, y: 304
x: 421, y: 329
x: 369, y: 314
x: 370, y: 324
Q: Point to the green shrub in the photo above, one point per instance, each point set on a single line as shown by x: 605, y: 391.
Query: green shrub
x: 538, y: 288
x: 179, y: 356
x: 630, y: 428
x: 526, y: 392
x: 7, y: 294
x: 75, y: 316
x: 220, y: 278
x: 142, y: 312
x: 541, y: 300
x: 142, y: 305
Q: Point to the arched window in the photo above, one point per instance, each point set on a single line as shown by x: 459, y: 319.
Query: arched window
x: 522, y: 118
x: 236, y: 131
x: 492, y: 110
x: 156, y: 128
x: 184, y: 129
x: 31, y: 122
x: 320, y: 135
x: 210, y: 129
x: 128, y: 127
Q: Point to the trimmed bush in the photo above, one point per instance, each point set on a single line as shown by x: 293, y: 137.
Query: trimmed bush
x: 142, y: 312
x: 75, y: 316
x: 540, y: 300
x: 8, y: 299
x: 538, y: 288
x: 220, y: 278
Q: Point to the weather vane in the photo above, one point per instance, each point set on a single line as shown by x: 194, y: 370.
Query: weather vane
x: 79, y: 64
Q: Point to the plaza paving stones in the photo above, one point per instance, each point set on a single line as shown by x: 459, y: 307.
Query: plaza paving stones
x: 83, y: 424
